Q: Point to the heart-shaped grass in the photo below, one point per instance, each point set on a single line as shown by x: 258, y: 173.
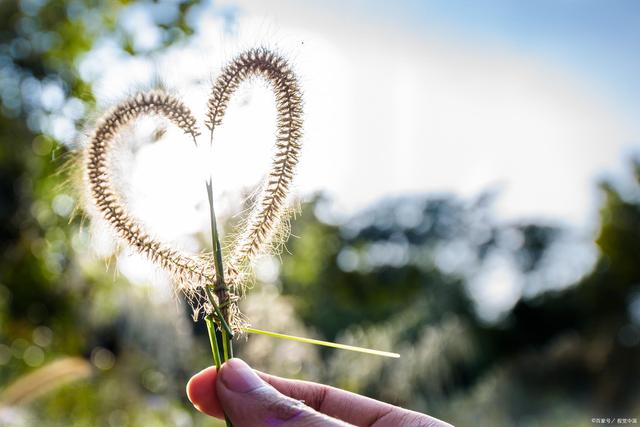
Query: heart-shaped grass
x: 192, y: 273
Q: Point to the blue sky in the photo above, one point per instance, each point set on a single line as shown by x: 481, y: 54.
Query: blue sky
x: 600, y: 39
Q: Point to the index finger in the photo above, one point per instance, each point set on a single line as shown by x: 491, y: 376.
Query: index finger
x: 350, y: 407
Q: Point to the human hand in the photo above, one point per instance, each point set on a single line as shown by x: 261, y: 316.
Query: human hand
x: 251, y: 398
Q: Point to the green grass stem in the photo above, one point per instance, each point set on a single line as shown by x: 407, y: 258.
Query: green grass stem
x: 217, y: 322
x: 211, y: 328
x: 322, y: 343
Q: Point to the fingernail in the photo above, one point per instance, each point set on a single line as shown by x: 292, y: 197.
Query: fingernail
x: 238, y: 376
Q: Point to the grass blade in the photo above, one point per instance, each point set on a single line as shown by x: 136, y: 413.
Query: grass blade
x: 322, y: 343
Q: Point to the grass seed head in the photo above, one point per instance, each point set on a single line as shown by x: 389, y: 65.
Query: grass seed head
x: 267, y: 220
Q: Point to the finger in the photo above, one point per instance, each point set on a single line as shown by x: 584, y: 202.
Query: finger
x: 347, y: 406
x: 201, y: 390
x: 249, y: 401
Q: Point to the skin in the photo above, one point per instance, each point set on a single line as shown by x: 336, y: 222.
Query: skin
x: 251, y: 398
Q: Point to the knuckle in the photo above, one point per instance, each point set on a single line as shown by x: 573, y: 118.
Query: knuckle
x: 407, y: 419
x: 284, y: 408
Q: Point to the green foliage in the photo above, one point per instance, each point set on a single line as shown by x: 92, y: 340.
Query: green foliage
x: 571, y: 351
x: 385, y: 269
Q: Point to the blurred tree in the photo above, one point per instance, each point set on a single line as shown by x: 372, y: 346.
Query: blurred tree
x: 377, y: 264
x: 398, y: 276
x: 38, y: 46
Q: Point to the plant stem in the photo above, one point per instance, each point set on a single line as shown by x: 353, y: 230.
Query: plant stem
x: 218, y: 313
x: 220, y: 286
x: 225, y: 346
x: 211, y: 328
x: 221, y: 327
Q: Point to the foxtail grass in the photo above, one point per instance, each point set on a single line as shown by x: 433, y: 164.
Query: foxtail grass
x: 211, y: 281
x: 207, y: 281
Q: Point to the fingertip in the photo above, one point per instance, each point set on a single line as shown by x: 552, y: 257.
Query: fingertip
x: 201, y: 391
x: 197, y: 383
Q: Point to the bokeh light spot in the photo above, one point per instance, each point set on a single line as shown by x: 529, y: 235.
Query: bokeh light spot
x: 42, y: 336
x: 33, y: 356
x: 102, y: 358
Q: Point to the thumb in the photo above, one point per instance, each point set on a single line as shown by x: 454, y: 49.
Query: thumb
x: 249, y: 401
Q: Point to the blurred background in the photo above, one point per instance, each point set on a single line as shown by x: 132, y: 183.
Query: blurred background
x: 469, y: 197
